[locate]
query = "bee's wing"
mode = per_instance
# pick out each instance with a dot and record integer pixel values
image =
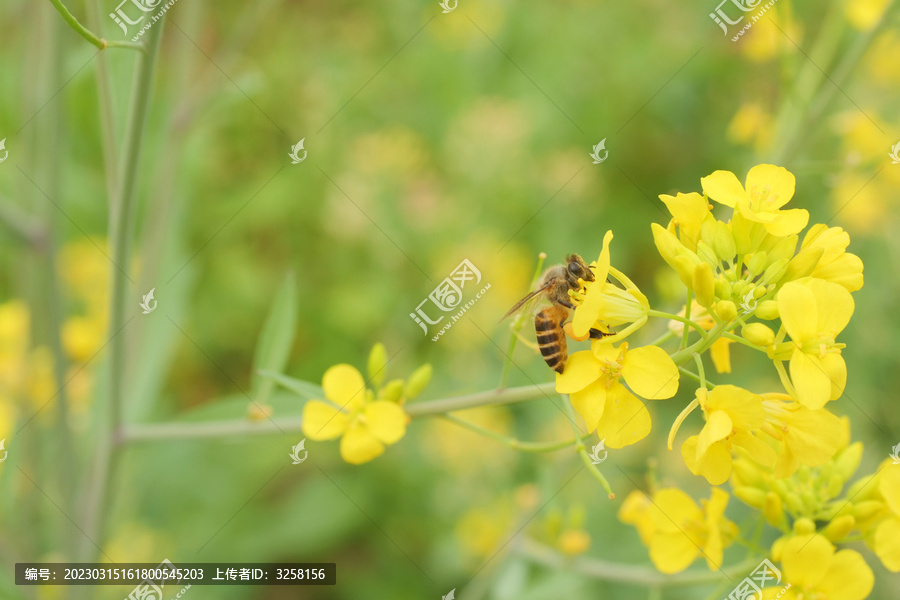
(528, 301)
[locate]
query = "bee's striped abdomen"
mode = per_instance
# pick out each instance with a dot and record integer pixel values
(551, 338)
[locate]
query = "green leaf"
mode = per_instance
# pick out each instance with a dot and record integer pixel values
(276, 339)
(298, 386)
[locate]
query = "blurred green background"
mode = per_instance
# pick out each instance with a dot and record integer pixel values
(432, 138)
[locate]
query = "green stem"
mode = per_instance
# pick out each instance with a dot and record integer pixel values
(121, 229)
(700, 346)
(740, 340)
(211, 429)
(627, 573)
(514, 443)
(664, 315)
(698, 360)
(696, 377)
(668, 335)
(84, 32)
(582, 450)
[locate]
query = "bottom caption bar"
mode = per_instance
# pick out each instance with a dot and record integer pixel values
(167, 573)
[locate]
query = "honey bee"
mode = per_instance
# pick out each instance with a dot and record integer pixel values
(554, 286)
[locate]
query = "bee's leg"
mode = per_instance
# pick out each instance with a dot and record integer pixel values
(596, 334)
(567, 304)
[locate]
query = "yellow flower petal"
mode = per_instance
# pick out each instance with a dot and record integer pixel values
(889, 486)
(672, 552)
(718, 427)
(788, 222)
(587, 313)
(582, 369)
(806, 559)
(625, 419)
(589, 403)
(677, 508)
(720, 353)
(834, 303)
(810, 380)
(714, 465)
(836, 370)
(385, 420)
(650, 372)
(689, 212)
(798, 311)
(772, 187)
(887, 543)
(723, 187)
(359, 445)
(322, 421)
(344, 386)
(848, 577)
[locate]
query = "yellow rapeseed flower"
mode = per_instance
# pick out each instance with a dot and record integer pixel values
(733, 416)
(814, 312)
(592, 380)
(677, 531)
(767, 189)
(886, 539)
(816, 571)
(364, 425)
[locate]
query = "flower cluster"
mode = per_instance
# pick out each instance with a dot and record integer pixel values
(751, 277)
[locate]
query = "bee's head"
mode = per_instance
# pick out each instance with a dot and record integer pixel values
(576, 268)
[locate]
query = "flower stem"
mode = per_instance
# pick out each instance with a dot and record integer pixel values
(687, 311)
(514, 443)
(664, 315)
(84, 32)
(582, 450)
(121, 231)
(627, 573)
(740, 340)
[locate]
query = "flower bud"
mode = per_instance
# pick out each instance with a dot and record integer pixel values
(418, 381)
(392, 391)
(758, 262)
(726, 310)
(793, 502)
(721, 240)
(784, 249)
(704, 284)
(751, 496)
(723, 288)
(839, 528)
(802, 265)
(377, 364)
(867, 509)
(804, 526)
(757, 333)
(775, 270)
(773, 510)
(767, 310)
(848, 459)
(706, 253)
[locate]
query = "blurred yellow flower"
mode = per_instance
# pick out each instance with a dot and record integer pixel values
(751, 125)
(767, 189)
(814, 312)
(677, 531)
(865, 14)
(82, 337)
(816, 571)
(364, 425)
(573, 542)
(592, 380)
(733, 415)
